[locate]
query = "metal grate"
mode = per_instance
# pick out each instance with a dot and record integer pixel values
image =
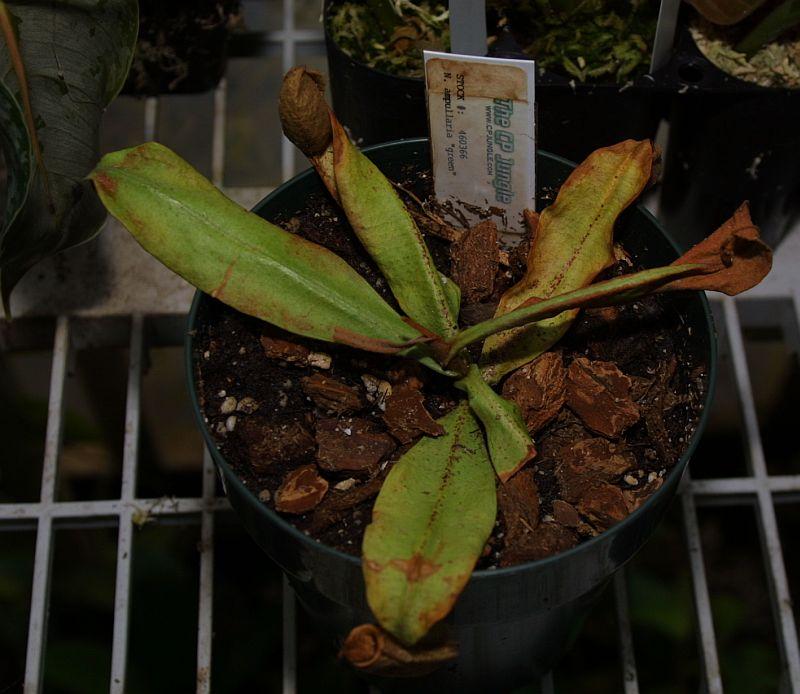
(765, 306)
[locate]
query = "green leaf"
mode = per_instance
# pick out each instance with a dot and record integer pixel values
(16, 147)
(572, 244)
(452, 293)
(430, 524)
(784, 17)
(63, 62)
(388, 232)
(510, 445)
(617, 290)
(178, 216)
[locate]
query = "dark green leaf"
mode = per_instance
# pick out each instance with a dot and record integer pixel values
(75, 55)
(784, 17)
(18, 155)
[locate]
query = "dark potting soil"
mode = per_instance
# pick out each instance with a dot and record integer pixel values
(275, 402)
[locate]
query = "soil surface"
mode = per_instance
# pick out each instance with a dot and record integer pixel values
(313, 428)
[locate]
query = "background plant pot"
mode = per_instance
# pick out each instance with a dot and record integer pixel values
(729, 141)
(575, 118)
(375, 106)
(572, 119)
(182, 46)
(511, 624)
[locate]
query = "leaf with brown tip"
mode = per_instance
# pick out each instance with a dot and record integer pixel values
(305, 121)
(733, 259)
(573, 242)
(178, 216)
(735, 256)
(388, 232)
(430, 524)
(372, 649)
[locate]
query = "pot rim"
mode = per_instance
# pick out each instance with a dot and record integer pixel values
(482, 574)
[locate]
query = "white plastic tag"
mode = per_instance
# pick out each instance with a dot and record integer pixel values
(481, 115)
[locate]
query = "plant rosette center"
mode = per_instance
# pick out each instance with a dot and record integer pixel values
(611, 410)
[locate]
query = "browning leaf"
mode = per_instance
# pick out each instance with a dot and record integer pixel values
(305, 121)
(430, 523)
(734, 256)
(733, 259)
(370, 648)
(303, 111)
(573, 242)
(254, 266)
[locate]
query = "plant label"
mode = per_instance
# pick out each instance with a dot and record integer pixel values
(481, 115)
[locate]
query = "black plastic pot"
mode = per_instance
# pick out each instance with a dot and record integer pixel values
(511, 624)
(182, 46)
(375, 106)
(575, 118)
(572, 119)
(729, 141)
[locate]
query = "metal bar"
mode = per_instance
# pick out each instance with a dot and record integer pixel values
(143, 509)
(795, 329)
(130, 455)
(287, 170)
(702, 601)
(262, 43)
(218, 133)
(767, 522)
(206, 604)
(288, 57)
(205, 608)
(150, 118)
(630, 678)
(745, 485)
(468, 27)
(289, 639)
(665, 33)
(40, 592)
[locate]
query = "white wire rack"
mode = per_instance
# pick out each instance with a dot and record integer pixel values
(767, 306)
